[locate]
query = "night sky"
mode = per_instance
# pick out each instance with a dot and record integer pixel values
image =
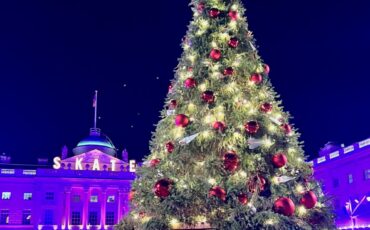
(54, 54)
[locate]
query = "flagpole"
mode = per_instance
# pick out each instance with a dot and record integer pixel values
(96, 108)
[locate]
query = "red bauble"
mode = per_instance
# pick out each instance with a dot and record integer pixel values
(162, 188)
(228, 71)
(131, 195)
(218, 192)
(287, 128)
(219, 125)
(172, 104)
(200, 7)
(208, 97)
(233, 42)
(190, 69)
(190, 83)
(284, 206)
(170, 147)
(182, 120)
(154, 162)
(309, 200)
(256, 78)
(252, 127)
(214, 13)
(243, 198)
(233, 15)
(266, 107)
(215, 54)
(266, 68)
(256, 182)
(231, 161)
(279, 160)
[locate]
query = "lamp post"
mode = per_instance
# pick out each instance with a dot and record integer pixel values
(351, 211)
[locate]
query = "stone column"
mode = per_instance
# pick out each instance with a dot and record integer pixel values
(85, 210)
(121, 203)
(103, 208)
(67, 207)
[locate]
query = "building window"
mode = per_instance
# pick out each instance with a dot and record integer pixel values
(4, 216)
(93, 218)
(49, 196)
(109, 218)
(110, 199)
(350, 178)
(76, 218)
(48, 217)
(27, 196)
(335, 183)
(6, 195)
(367, 174)
(76, 198)
(26, 217)
(94, 199)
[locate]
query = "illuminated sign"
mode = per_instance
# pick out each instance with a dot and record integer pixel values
(79, 163)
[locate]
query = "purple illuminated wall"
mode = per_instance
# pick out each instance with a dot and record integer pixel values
(63, 199)
(345, 174)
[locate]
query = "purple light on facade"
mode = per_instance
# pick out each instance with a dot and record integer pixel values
(86, 191)
(345, 174)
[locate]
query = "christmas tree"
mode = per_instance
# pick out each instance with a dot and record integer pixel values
(224, 155)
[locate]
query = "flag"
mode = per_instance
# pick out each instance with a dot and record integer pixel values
(94, 101)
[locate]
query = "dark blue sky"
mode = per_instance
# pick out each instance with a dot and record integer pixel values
(54, 54)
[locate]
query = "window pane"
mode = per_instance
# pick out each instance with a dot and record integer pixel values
(49, 196)
(76, 198)
(350, 178)
(94, 199)
(109, 218)
(110, 199)
(93, 218)
(26, 217)
(76, 218)
(48, 217)
(27, 196)
(6, 195)
(4, 216)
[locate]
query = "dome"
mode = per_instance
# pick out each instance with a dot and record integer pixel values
(95, 140)
(329, 148)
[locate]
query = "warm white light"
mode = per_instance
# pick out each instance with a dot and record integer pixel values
(212, 181)
(299, 189)
(233, 25)
(301, 210)
(202, 87)
(175, 223)
(214, 44)
(234, 7)
(270, 222)
(243, 174)
(368, 198)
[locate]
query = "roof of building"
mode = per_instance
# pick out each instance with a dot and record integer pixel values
(96, 140)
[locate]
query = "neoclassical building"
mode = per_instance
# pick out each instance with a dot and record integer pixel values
(345, 174)
(86, 191)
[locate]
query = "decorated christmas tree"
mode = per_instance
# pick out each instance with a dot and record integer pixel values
(224, 155)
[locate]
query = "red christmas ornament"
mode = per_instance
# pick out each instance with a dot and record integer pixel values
(215, 54)
(214, 13)
(162, 188)
(190, 83)
(233, 42)
(172, 104)
(231, 161)
(256, 78)
(309, 200)
(131, 195)
(154, 162)
(219, 125)
(200, 7)
(233, 15)
(279, 160)
(243, 198)
(190, 69)
(252, 127)
(218, 192)
(256, 182)
(287, 128)
(266, 68)
(266, 107)
(182, 120)
(284, 206)
(170, 147)
(208, 97)
(228, 71)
